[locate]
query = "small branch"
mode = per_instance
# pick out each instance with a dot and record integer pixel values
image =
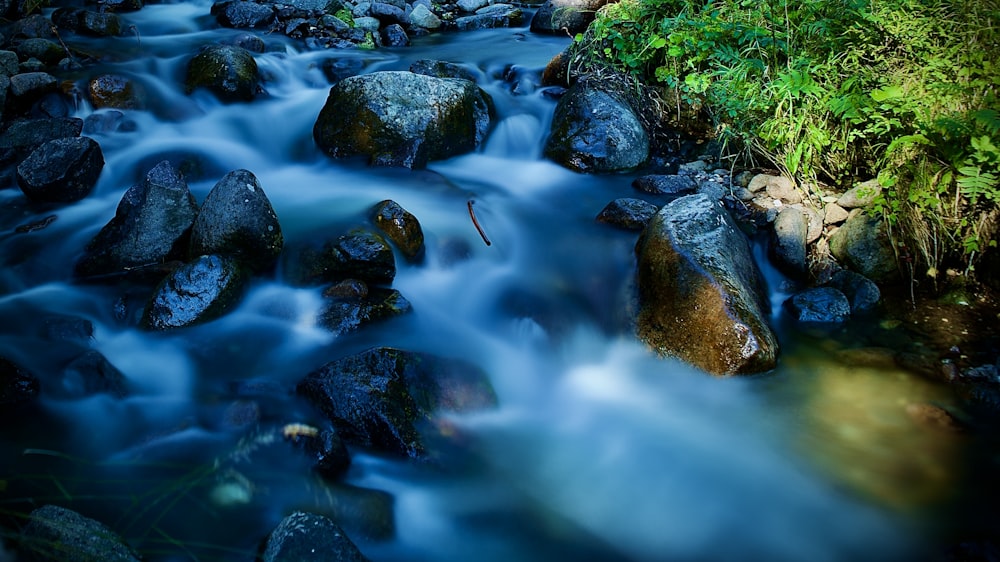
(475, 223)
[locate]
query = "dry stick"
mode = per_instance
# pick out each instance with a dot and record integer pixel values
(476, 224)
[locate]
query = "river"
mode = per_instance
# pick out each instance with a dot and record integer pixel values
(598, 449)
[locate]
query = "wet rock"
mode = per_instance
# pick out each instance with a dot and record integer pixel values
(863, 294)
(57, 534)
(110, 90)
(394, 35)
(92, 373)
(61, 170)
(17, 385)
(345, 314)
(491, 17)
(861, 195)
(384, 398)
(820, 305)
(45, 50)
(442, 69)
(565, 17)
(862, 244)
(32, 85)
(788, 242)
(22, 137)
(237, 220)
(556, 71)
(197, 292)
(65, 328)
(118, 5)
(243, 15)
(150, 227)
(359, 254)
(630, 214)
(401, 227)
(326, 447)
(595, 132)
(337, 69)
(659, 184)
(88, 22)
(422, 16)
(35, 25)
(227, 71)
(701, 296)
(402, 118)
(301, 537)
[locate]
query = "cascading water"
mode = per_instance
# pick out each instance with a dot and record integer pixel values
(598, 450)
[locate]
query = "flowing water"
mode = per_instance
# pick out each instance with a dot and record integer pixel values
(598, 450)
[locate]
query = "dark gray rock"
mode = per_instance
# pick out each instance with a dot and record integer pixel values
(17, 385)
(401, 227)
(57, 534)
(32, 85)
(111, 90)
(21, 137)
(393, 35)
(35, 25)
(227, 71)
(661, 184)
(305, 537)
(344, 314)
(386, 13)
(788, 242)
(491, 17)
(118, 5)
(565, 17)
(337, 69)
(45, 50)
(359, 254)
(819, 305)
(862, 292)
(383, 397)
(66, 328)
(402, 118)
(862, 244)
(61, 170)
(92, 373)
(630, 214)
(8, 64)
(593, 131)
(701, 296)
(100, 24)
(151, 226)
(329, 451)
(237, 220)
(197, 292)
(442, 69)
(243, 15)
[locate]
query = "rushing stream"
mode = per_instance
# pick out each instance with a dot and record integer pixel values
(598, 450)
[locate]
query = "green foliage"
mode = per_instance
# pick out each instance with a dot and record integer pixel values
(838, 90)
(345, 15)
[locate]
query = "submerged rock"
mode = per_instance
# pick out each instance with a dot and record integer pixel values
(227, 71)
(302, 537)
(199, 291)
(61, 171)
(401, 227)
(701, 296)
(92, 373)
(17, 385)
(150, 227)
(593, 131)
(402, 118)
(385, 398)
(58, 534)
(360, 254)
(237, 220)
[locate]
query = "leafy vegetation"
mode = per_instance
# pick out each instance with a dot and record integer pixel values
(838, 91)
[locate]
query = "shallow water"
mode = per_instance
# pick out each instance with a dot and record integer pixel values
(598, 450)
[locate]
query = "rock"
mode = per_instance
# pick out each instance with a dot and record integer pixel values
(345, 314)
(32, 85)
(65, 328)
(328, 450)
(384, 398)
(359, 254)
(658, 184)
(237, 220)
(863, 294)
(788, 242)
(150, 227)
(61, 170)
(777, 184)
(394, 35)
(118, 5)
(91, 373)
(367, 23)
(402, 118)
(202, 290)
(57, 534)
(303, 537)
(401, 227)
(491, 17)
(815, 223)
(386, 13)
(630, 214)
(227, 71)
(471, 5)
(8, 63)
(784, 190)
(337, 69)
(556, 71)
(421, 16)
(834, 214)
(565, 17)
(821, 305)
(241, 14)
(862, 244)
(22, 137)
(593, 131)
(701, 296)
(45, 50)
(442, 69)
(861, 195)
(99, 24)
(17, 385)
(34, 25)
(110, 90)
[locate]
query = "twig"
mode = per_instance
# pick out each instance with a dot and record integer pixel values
(475, 223)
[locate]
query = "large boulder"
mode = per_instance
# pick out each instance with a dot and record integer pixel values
(402, 118)
(150, 227)
(862, 244)
(61, 170)
(304, 537)
(595, 131)
(388, 398)
(236, 219)
(565, 17)
(701, 297)
(227, 71)
(202, 290)
(58, 534)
